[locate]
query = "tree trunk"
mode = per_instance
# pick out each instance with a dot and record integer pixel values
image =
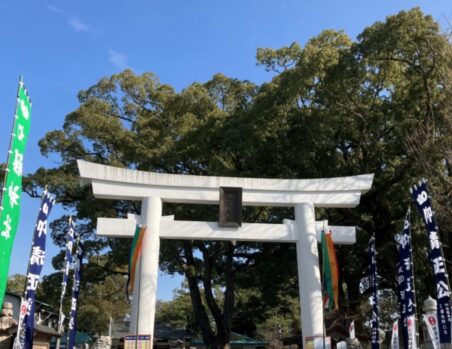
(222, 317)
(200, 312)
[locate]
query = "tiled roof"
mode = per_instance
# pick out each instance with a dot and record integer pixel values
(80, 338)
(166, 332)
(237, 339)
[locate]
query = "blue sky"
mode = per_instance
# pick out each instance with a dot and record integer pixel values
(62, 47)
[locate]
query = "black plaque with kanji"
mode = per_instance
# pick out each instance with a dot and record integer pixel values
(230, 207)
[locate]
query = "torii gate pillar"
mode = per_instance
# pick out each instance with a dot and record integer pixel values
(144, 300)
(308, 270)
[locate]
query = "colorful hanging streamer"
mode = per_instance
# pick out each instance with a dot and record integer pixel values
(330, 271)
(135, 253)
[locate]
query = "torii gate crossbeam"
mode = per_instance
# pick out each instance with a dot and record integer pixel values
(194, 230)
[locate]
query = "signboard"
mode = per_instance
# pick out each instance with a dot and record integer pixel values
(141, 341)
(230, 207)
(317, 343)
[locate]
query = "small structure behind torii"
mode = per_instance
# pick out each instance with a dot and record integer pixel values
(152, 189)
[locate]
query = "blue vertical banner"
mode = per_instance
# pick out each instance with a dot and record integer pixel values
(405, 285)
(402, 306)
(24, 338)
(374, 322)
(423, 203)
(75, 293)
(68, 260)
(68, 256)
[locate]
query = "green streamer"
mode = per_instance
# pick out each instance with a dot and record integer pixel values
(12, 189)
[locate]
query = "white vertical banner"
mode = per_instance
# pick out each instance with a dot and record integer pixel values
(411, 329)
(351, 329)
(374, 322)
(341, 345)
(23, 311)
(395, 335)
(405, 285)
(431, 322)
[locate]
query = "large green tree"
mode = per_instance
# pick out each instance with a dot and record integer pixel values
(334, 107)
(16, 284)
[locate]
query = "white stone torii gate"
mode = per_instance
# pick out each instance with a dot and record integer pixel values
(154, 188)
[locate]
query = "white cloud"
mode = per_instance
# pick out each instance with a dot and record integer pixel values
(55, 9)
(74, 22)
(78, 25)
(119, 60)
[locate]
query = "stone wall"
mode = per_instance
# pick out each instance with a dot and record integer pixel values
(7, 325)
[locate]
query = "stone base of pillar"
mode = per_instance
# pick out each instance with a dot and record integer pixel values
(353, 343)
(427, 345)
(102, 342)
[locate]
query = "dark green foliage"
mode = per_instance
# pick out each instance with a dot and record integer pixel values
(16, 284)
(335, 107)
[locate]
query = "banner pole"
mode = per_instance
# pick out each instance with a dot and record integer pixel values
(139, 295)
(322, 284)
(414, 283)
(73, 286)
(63, 287)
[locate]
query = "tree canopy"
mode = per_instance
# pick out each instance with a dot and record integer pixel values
(333, 107)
